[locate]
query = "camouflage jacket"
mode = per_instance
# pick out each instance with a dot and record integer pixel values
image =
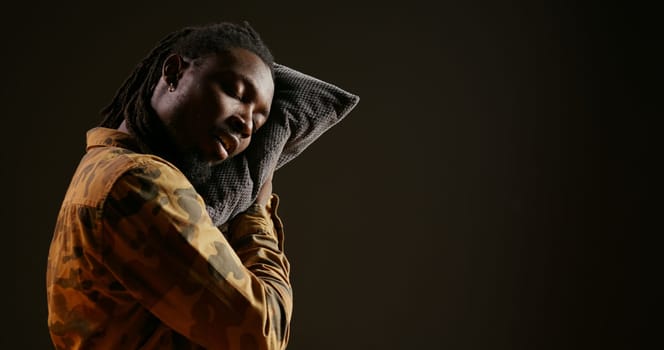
(135, 261)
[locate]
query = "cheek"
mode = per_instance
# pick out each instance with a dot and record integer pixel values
(201, 112)
(200, 97)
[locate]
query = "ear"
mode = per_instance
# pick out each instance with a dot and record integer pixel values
(172, 69)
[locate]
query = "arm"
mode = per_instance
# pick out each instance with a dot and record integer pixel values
(165, 250)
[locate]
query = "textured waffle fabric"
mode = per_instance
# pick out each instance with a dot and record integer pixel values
(303, 108)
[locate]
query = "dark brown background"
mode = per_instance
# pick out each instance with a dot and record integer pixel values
(488, 192)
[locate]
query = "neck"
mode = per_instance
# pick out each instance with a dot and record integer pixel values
(123, 127)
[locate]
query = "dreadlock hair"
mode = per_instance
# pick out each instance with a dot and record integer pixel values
(131, 102)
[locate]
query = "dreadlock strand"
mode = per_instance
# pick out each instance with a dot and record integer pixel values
(116, 111)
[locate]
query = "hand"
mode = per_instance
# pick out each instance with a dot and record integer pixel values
(265, 192)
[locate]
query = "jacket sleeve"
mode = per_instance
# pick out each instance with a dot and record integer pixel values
(163, 248)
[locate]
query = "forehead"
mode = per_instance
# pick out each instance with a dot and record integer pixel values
(240, 63)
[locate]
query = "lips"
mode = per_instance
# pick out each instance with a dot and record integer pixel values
(228, 142)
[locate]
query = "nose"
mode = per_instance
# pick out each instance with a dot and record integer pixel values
(242, 123)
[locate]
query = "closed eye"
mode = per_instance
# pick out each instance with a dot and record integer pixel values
(231, 87)
(232, 92)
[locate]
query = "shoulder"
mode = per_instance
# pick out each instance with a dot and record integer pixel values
(148, 187)
(105, 171)
(153, 196)
(147, 175)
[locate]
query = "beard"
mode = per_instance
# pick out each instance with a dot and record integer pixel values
(197, 170)
(158, 141)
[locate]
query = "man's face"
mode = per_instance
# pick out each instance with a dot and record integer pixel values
(213, 104)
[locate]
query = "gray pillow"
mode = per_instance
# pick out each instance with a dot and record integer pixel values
(303, 108)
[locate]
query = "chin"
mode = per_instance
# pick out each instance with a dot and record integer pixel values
(197, 169)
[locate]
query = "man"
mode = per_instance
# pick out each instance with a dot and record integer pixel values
(135, 261)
